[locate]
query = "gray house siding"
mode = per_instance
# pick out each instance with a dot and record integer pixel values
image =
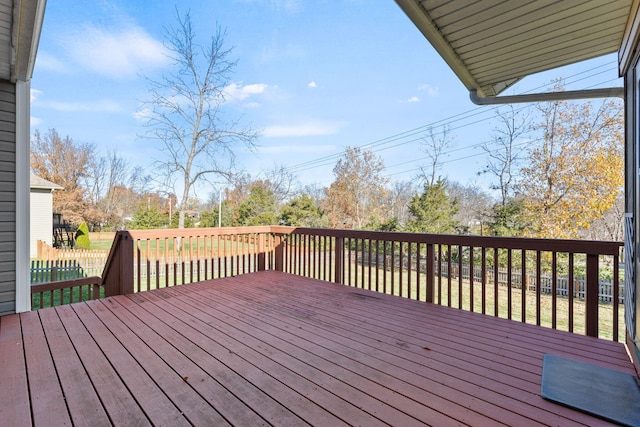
(7, 197)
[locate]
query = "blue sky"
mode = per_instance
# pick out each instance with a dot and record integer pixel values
(313, 76)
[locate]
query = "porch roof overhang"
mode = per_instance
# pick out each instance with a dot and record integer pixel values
(490, 45)
(20, 27)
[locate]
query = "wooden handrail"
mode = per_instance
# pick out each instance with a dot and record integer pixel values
(73, 285)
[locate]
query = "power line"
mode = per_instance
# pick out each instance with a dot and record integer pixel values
(419, 133)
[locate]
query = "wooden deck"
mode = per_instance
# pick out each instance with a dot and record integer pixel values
(270, 348)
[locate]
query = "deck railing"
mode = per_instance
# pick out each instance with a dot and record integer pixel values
(563, 284)
(151, 259)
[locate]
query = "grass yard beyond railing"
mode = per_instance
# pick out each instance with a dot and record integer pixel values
(554, 283)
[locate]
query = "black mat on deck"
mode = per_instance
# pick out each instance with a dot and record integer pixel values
(612, 395)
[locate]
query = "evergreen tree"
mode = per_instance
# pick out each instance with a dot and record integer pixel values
(433, 211)
(147, 217)
(259, 208)
(303, 212)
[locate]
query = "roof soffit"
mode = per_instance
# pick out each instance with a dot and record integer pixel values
(491, 44)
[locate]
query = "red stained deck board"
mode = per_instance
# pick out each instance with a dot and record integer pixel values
(373, 376)
(251, 385)
(121, 407)
(392, 406)
(270, 348)
(171, 384)
(14, 390)
(151, 398)
(47, 401)
(83, 402)
(500, 404)
(184, 358)
(206, 336)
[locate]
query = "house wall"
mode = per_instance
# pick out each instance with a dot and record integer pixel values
(7, 197)
(41, 223)
(629, 66)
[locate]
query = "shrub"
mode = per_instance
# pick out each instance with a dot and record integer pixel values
(82, 236)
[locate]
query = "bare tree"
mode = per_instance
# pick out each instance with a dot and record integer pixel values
(435, 146)
(474, 206)
(282, 182)
(184, 112)
(399, 196)
(505, 151)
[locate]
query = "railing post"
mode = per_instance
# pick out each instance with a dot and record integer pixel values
(279, 253)
(261, 252)
(117, 276)
(592, 295)
(339, 258)
(430, 272)
(126, 265)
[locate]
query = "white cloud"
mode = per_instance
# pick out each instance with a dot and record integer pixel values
(312, 84)
(115, 53)
(35, 121)
(142, 115)
(34, 94)
(430, 90)
(46, 61)
(101, 106)
(238, 92)
(413, 99)
(314, 128)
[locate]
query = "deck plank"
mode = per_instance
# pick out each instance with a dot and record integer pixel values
(121, 407)
(14, 390)
(178, 377)
(172, 381)
(343, 347)
(48, 404)
(207, 374)
(151, 397)
(270, 348)
(499, 404)
(357, 370)
(392, 406)
(319, 408)
(83, 401)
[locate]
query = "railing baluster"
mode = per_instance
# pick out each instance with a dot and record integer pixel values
(393, 267)
(484, 280)
(509, 284)
(523, 284)
(496, 278)
(616, 296)
(384, 263)
(570, 291)
(472, 280)
(460, 289)
(538, 287)
(417, 271)
(439, 274)
(554, 289)
(449, 274)
(591, 293)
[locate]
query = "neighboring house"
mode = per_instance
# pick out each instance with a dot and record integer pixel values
(41, 205)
